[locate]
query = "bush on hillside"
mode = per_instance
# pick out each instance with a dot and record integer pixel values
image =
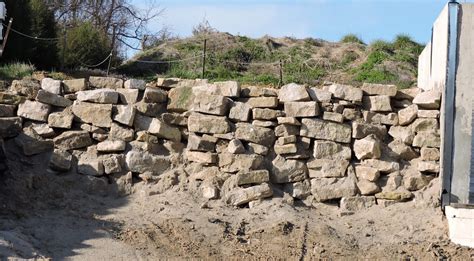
(351, 38)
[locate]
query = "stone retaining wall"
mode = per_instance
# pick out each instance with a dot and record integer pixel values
(373, 144)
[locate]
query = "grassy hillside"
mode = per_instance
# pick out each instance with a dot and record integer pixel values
(256, 61)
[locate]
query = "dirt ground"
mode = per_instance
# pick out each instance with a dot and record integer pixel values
(74, 217)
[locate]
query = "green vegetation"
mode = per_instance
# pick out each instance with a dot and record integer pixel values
(352, 38)
(16, 70)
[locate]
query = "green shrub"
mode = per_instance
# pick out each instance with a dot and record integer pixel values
(351, 38)
(381, 45)
(16, 70)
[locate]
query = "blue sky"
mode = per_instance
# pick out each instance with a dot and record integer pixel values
(325, 19)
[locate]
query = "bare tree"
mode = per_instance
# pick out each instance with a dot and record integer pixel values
(204, 28)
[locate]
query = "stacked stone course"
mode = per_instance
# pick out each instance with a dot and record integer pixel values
(363, 145)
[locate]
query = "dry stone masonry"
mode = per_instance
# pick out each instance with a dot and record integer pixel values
(369, 145)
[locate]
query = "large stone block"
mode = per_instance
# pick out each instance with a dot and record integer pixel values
(73, 140)
(135, 84)
(382, 165)
(240, 196)
(379, 103)
(121, 133)
(404, 134)
(293, 92)
(320, 95)
(425, 124)
(34, 110)
(31, 143)
(26, 87)
(259, 135)
(367, 173)
(319, 129)
(227, 89)
(105, 82)
(266, 114)
(60, 160)
(352, 204)
(367, 188)
(111, 146)
(284, 171)
(379, 89)
(427, 139)
(180, 99)
(150, 109)
(10, 127)
(99, 115)
(7, 110)
(301, 109)
(361, 130)
(428, 99)
(12, 99)
(62, 120)
(106, 96)
(210, 104)
(198, 143)
(262, 102)
(324, 189)
(379, 118)
(89, 164)
(345, 92)
(157, 127)
(51, 85)
(52, 99)
(240, 111)
(253, 177)
(408, 115)
(327, 168)
(402, 150)
(141, 162)
(331, 150)
(367, 148)
(128, 96)
(156, 95)
(210, 124)
(124, 114)
(73, 86)
(232, 163)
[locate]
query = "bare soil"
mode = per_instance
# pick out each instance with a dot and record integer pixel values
(74, 217)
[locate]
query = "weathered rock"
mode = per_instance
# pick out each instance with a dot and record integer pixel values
(367, 148)
(51, 85)
(174, 119)
(105, 82)
(99, 115)
(380, 103)
(345, 92)
(379, 89)
(180, 99)
(7, 110)
(257, 149)
(150, 109)
(319, 95)
(391, 182)
(378, 118)
(124, 114)
(301, 109)
(285, 149)
(283, 130)
(52, 99)
(62, 120)
(73, 140)
(210, 104)
(266, 114)
(235, 147)
(333, 116)
(423, 124)
(284, 171)
(362, 130)
(324, 189)
(286, 140)
(89, 164)
(265, 124)
(288, 121)
(367, 188)
(404, 134)
(428, 99)
(398, 195)
(240, 196)
(357, 203)
(60, 160)
(31, 143)
(10, 127)
(34, 110)
(111, 146)
(240, 111)
(201, 157)
(73, 86)
(121, 133)
(402, 150)
(367, 173)
(106, 96)
(408, 94)
(112, 163)
(198, 143)
(155, 95)
(227, 89)
(239, 162)
(350, 114)
(256, 91)
(140, 161)
(300, 190)
(327, 168)
(99, 137)
(331, 150)
(253, 177)
(414, 180)
(12, 99)
(259, 135)
(210, 124)
(381, 165)
(26, 87)
(262, 102)
(428, 166)
(293, 92)
(408, 115)
(128, 96)
(427, 139)
(428, 114)
(429, 154)
(157, 127)
(319, 129)
(44, 130)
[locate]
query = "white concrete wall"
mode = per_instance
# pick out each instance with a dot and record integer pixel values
(424, 68)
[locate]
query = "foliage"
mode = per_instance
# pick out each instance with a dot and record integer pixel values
(16, 70)
(351, 38)
(86, 46)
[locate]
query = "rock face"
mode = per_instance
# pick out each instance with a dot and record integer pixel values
(237, 144)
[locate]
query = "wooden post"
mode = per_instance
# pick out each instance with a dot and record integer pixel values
(6, 36)
(281, 74)
(204, 59)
